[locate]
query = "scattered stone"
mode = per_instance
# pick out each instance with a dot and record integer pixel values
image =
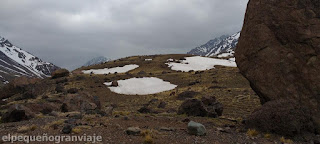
(133, 131)
(60, 73)
(206, 108)
(196, 129)
(67, 129)
(114, 84)
(17, 113)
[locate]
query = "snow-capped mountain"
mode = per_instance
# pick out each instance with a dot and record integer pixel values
(97, 60)
(222, 46)
(15, 62)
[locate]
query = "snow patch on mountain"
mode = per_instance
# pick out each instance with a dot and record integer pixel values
(223, 44)
(15, 61)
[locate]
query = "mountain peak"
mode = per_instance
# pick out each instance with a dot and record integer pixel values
(97, 60)
(223, 44)
(15, 62)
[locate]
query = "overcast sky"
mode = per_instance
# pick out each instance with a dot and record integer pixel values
(70, 32)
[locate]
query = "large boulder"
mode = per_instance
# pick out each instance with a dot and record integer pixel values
(279, 49)
(284, 117)
(278, 52)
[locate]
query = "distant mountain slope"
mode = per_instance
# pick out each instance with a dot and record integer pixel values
(15, 62)
(223, 44)
(97, 60)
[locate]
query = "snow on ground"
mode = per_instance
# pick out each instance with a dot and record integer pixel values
(123, 69)
(225, 55)
(142, 86)
(232, 59)
(107, 83)
(148, 60)
(198, 63)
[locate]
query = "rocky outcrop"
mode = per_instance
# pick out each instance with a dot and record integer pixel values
(279, 52)
(206, 107)
(17, 113)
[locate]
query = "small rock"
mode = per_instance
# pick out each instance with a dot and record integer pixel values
(114, 84)
(133, 131)
(196, 129)
(67, 129)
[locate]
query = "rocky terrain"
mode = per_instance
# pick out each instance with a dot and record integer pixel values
(15, 62)
(217, 100)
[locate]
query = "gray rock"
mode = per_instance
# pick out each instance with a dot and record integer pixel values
(133, 131)
(196, 129)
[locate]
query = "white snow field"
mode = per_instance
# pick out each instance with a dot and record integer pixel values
(123, 69)
(142, 86)
(198, 63)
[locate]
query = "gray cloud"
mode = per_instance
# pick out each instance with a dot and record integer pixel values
(70, 32)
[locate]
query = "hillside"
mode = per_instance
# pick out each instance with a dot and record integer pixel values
(15, 62)
(91, 103)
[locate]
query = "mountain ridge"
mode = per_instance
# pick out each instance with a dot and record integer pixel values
(223, 44)
(15, 62)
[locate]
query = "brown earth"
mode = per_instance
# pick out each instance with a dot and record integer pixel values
(83, 101)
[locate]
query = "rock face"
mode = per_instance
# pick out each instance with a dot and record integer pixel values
(278, 51)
